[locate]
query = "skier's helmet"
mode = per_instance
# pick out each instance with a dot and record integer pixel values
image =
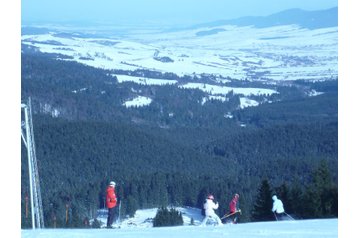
(274, 197)
(210, 196)
(112, 183)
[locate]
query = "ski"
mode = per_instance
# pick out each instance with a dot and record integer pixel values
(230, 214)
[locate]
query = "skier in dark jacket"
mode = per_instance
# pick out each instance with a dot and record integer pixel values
(111, 202)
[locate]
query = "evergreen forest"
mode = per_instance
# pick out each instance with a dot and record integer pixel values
(176, 150)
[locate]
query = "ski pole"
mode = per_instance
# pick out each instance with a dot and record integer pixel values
(275, 216)
(119, 213)
(289, 216)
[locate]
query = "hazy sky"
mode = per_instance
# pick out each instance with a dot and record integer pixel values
(158, 11)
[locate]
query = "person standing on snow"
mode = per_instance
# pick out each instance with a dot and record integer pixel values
(209, 207)
(277, 208)
(234, 208)
(111, 202)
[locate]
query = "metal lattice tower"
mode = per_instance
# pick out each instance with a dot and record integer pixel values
(35, 192)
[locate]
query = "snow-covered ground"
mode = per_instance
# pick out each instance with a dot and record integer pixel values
(276, 53)
(141, 226)
(321, 228)
(144, 218)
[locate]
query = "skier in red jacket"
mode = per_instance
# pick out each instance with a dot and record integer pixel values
(233, 203)
(233, 207)
(111, 202)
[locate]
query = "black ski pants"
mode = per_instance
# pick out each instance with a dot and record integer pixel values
(110, 218)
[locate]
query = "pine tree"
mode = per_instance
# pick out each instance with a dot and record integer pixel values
(131, 206)
(165, 217)
(297, 195)
(326, 192)
(263, 205)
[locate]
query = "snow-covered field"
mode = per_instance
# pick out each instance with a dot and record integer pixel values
(323, 228)
(275, 53)
(141, 226)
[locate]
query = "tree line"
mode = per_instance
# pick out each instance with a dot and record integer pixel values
(175, 151)
(76, 160)
(80, 92)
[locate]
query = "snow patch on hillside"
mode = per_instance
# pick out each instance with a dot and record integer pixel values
(144, 80)
(224, 90)
(139, 101)
(246, 102)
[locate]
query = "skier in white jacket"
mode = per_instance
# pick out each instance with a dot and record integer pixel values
(209, 207)
(277, 208)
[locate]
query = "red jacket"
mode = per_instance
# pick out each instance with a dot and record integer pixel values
(233, 204)
(111, 198)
